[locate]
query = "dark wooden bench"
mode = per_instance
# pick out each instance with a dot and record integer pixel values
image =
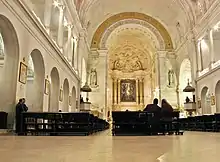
(45, 123)
(206, 123)
(143, 123)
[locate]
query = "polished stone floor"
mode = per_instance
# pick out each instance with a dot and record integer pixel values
(102, 147)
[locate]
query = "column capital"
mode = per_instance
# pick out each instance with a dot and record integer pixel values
(161, 53)
(103, 52)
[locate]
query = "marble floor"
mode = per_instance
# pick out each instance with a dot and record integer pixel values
(102, 147)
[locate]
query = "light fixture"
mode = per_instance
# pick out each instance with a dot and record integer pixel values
(56, 3)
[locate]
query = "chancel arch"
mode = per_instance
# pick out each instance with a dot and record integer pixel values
(54, 90)
(9, 63)
(35, 81)
(96, 40)
(66, 96)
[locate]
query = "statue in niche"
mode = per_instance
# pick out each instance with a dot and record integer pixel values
(171, 79)
(93, 78)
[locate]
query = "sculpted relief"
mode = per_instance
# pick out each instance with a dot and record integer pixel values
(129, 59)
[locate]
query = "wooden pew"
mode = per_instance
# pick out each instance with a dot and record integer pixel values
(45, 123)
(143, 123)
(206, 123)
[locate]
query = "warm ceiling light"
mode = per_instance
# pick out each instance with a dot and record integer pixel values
(56, 3)
(216, 27)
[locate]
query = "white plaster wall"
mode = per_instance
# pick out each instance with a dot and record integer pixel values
(29, 38)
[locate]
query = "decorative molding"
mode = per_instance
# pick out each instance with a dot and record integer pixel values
(131, 15)
(145, 24)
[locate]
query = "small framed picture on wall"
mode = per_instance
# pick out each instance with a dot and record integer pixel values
(212, 100)
(47, 87)
(199, 104)
(70, 100)
(61, 95)
(23, 73)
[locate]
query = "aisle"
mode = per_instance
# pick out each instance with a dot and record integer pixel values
(102, 147)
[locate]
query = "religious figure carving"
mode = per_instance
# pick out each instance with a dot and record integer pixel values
(128, 91)
(93, 78)
(128, 59)
(171, 79)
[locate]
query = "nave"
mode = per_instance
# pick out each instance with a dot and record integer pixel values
(102, 147)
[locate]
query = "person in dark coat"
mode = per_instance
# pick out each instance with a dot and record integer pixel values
(166, 113)
(153, 108)
(154, 116)
(20, 108)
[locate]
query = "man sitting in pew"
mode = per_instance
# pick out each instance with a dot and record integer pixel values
(154, 120)
(153, 108)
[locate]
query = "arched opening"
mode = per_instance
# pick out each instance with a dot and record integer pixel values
(73, 109)
(54, 91)
(9, 60)
(206, 101)
(217, 95)
(185, 76)
(66, 96)
(35, 81)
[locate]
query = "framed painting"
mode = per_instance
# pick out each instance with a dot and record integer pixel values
(70, 100)
(23, 73)
(61, 95)
(47, 87)
(199, 104)
(128, 90)
(212, 100)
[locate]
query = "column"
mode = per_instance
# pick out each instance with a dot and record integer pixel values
(60, 26)
(119, 92)
(200, 61)
(211, 45)
(141, 82)
(137, 92)
(80, 54)
(114, 91)
(47, 14)
(76, 53)
(69, 50)
(162, 80)
(102, 73)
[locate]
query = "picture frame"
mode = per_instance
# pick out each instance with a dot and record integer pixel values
(199, 104)
(61, 95)
(23, 73)
(212, 100)
(47, 87)
(70, 100)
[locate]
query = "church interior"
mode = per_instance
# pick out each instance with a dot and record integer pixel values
(98, 57)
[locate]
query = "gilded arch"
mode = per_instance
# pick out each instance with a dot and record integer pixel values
(96, 41)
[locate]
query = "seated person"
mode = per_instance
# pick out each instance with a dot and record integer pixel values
(166, 112)
(166, 107)
(153, 108)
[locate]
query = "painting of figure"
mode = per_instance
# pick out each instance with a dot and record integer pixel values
(128, 90)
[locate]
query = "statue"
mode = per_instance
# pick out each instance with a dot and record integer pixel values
(171, 79)
(93, 78)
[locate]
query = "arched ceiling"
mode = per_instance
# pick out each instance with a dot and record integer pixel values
(167, 12)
